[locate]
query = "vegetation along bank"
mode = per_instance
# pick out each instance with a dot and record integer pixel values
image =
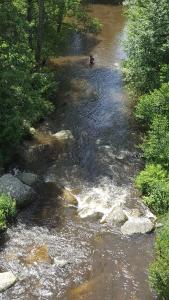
(147, 76)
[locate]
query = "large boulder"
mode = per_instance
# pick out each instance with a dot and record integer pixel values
(7, 279)
(139, 225)
(63, 135)
(22, 193)
(28, 178)
(116, 215)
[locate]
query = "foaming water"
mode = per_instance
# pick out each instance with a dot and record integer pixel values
(97, 167)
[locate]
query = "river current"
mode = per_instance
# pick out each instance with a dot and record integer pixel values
(98, 167)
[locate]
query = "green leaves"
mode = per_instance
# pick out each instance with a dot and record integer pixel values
(7, 210)
(23, 92)
(147, 73)
(159, 269)
(153, 182)
(156, 144)
(147, 43)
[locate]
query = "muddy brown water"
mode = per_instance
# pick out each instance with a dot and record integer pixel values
(99, 167)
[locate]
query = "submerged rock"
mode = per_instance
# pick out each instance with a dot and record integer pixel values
(28, 178)
(7, 279)
(63, 135)
(22, 193)
(68, 196)
(38, 255)
(137, 225)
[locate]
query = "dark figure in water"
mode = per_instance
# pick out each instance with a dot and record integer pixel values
(91, 60)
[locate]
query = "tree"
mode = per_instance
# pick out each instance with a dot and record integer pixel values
(40, 30)
(147, 43)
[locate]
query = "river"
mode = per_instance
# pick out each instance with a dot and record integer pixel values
(99, 167)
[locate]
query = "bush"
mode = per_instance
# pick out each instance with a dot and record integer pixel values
(7, 210)
(2, 221)
(22, 95)
(159, 269)
(8, 206)
(149, 178)
(154, 186)
(156, 144)
(94, 26)
(147, 44)
(153, 105)
(158, 201)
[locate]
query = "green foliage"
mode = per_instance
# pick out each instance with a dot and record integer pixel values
(156, 144)
(158, 201)
(30, 29)
(8, 206)
(23, 90)
(2, 221)
(7, 210)
(153, 182)
(147, 73)
(148, 178)
(153, 105)
(22, 95)
(159, 269)
(147, 43)
(93, 25)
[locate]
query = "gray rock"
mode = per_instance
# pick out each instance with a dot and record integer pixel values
(7, 279)
(28, 178)
(32, 130)
(63, 135)
(140, 225)
(22, 193)
(116, 215)
(60, 262)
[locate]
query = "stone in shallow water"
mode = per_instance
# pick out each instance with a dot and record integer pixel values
(7, 279)
(137, 225)
(63, 135)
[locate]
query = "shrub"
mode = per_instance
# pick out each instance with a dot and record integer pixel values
(7, 206)
(154, 186)
(153, 105)
(159, 269)
(148, 178)
(2, 221)
(94, 25)
(147, 44)
(158, 201)
(156, 144)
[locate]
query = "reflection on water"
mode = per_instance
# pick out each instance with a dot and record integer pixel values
(97, 168)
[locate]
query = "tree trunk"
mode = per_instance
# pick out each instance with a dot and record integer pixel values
(40, 30)
(61, 15)
(29, 18)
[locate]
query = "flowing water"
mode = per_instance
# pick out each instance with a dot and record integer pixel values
(98, 166)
